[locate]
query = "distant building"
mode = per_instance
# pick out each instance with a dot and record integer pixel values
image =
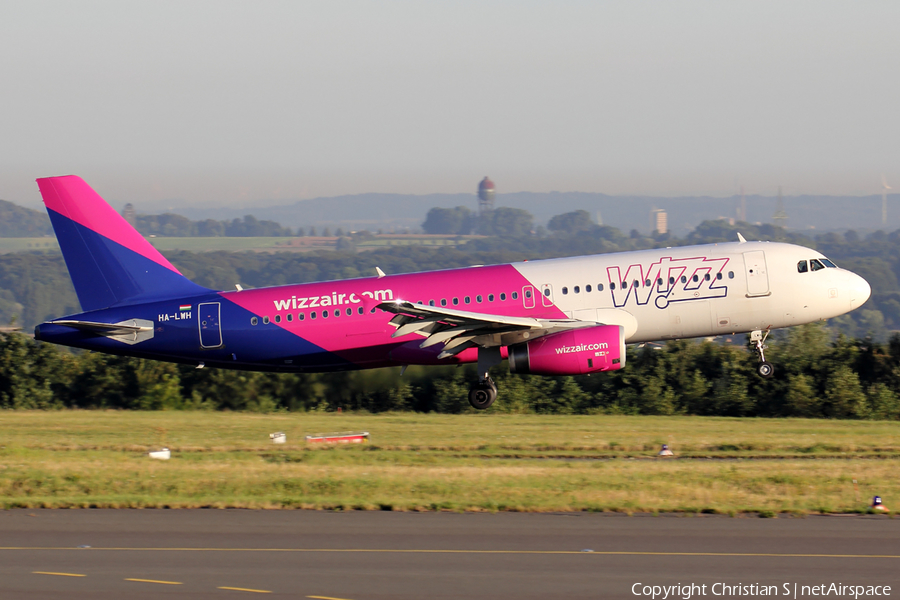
(486, 194)
(129, 215)
(659, 220)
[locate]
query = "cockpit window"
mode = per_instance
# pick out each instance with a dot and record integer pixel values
(801, 267)
(829, 264)
(815, 265)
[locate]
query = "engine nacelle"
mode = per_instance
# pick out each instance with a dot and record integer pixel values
(572, 352)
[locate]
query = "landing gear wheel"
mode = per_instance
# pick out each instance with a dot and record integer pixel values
(758, 340)
(483, 395)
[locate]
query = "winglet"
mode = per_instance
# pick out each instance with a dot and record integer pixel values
(741, 238)
(380, 272)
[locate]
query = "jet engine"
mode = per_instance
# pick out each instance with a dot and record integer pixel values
(572, 352)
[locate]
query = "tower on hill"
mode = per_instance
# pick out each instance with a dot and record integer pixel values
(486, 194)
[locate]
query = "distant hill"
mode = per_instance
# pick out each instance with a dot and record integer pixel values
(387, 211)
(18, 221)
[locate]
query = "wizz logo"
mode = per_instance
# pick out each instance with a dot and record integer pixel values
(668, 280)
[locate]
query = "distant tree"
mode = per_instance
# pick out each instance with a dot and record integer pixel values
(503, 221)
(571, 222)
(445, 221)
(345, 244)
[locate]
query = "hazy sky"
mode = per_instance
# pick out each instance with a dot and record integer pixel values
(189, 102)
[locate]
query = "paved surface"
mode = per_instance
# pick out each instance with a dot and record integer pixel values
(381, 555)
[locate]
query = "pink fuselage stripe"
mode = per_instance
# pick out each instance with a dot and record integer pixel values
(345, 334)
(72, 198)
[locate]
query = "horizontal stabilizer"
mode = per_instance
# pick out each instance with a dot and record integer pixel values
(130, 331)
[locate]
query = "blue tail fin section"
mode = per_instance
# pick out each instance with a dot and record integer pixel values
(109, 262)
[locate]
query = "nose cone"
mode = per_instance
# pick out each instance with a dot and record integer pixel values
(860, 290)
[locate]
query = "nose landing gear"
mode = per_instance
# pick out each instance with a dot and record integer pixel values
(758, 338)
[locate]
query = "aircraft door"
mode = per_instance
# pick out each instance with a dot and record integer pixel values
(547, 294)
(755, 270)
(209, 321)
(528, 296)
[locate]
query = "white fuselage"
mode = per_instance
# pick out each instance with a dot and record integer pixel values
(696, 291)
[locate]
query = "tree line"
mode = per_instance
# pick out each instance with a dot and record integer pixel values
(816, 376)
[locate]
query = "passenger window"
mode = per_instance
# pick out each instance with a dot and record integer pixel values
(455, 301)
(599, 287)
(515, 295)
(671, 280)
(478, 298)
(361, 310)
(659, 281)
(637, 284)
(254, 320)
(547, 292)
(706, 277)
(349, 312)
(301, 316)
(730, 274)
(576, 289)
(290, 317)
(815, 265)
(502, 296)
(265, 320)
(647, 283)
(565, 291)
(312, 315)
(431, 303)
(490, 297)
(587, 289)
(801, 267)
(337, 312)
(683, 279)
(695, 278)
(467, 300)
(624, 285)
(278, 318)
(443, 302)
(324, 314)
(718, 276)
(612, 285)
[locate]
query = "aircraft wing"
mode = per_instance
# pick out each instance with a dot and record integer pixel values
(459, 329)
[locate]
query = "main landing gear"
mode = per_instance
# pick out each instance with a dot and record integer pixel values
(485, 391)
(758, 339)
(483, 394)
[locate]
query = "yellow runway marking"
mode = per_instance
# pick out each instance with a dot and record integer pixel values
(245, 590)
(154, 581)
(421, 551)
(60, 574)
(325, 598)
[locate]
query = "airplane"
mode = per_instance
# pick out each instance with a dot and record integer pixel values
(564, 316)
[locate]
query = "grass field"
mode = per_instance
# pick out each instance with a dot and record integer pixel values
(432, 462)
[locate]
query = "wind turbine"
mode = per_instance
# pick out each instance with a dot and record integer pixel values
(884, 190)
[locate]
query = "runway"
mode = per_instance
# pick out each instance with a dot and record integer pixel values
(383, 555)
